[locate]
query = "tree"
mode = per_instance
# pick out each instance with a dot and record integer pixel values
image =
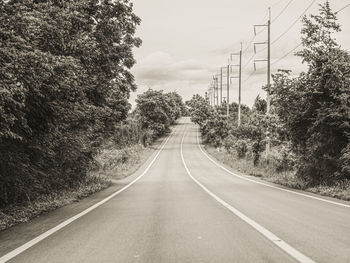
(65, 80)
(157, 111)
(260, 105)
(200, 109)
(315, 107)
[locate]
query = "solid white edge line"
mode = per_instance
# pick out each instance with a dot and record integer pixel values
(53, 230)
(269, 235)
(266, 184)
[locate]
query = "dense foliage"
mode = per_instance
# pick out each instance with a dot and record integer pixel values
(64, 85)
(309, 122)
(157, 111)
(315, 107)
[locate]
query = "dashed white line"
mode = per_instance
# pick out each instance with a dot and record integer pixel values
(297, 255)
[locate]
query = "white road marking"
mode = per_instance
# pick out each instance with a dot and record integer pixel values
(53, 230)
(269, 235)
(266, 184)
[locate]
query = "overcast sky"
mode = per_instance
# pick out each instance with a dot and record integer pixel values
(185, 42)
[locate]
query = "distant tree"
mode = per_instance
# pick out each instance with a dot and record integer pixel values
(176, 103)
(200, 109)
(215, 129)
(260, 105)
(158, 110)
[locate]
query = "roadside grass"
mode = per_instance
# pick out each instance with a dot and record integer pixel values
(15, 214)
(116, 164)
(267, 171)
(112, 164)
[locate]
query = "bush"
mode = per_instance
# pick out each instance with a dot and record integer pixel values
(64, 84)
(286, 160)
(241, 148)
(157, 111)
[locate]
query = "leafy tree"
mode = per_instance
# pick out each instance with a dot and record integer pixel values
(215, 129)
(157, 111)
(260, 105)
(200, 109)
(64, 85)
(315, 107)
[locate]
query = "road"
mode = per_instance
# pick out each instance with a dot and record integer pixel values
(185, 208)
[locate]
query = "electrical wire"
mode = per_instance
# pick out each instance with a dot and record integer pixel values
(291, 26)
(280, 13)
(274, 62)
(285, 55)
(249, 60)
(341, 9)
(281, 35)
(254, 36)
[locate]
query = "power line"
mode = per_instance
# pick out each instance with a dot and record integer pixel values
(276, 4)
(290, 27)
(249, 60)
(297, 20)
(254, 36)
(276, 61)
(285, 55)
(341, 9)
(280, 13)
(289, 52)
(249, 44)
(251, 74)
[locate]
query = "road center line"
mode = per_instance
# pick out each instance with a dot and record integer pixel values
(269, 235)
(266, 184)
(53, 230)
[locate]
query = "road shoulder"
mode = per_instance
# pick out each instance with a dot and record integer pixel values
(18, 235)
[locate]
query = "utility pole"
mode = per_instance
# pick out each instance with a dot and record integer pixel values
(228, 90)
(210, 93)
(268, 82)
(216, 88)
(268, 60)
(220, 86)
(213, 87)
(240, 86)
(239, 82)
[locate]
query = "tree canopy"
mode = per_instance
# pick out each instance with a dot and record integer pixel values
(64, 84)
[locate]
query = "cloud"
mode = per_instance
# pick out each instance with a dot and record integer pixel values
(160, 67)
(160, 71)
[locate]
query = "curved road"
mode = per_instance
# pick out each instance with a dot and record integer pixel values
(186, 208)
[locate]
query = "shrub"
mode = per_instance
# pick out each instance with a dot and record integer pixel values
(241, 148)
(286, 160)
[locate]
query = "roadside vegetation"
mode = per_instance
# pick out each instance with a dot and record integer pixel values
(66, 125)
(308, 125)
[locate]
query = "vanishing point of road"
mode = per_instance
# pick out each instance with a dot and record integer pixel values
(182, 206)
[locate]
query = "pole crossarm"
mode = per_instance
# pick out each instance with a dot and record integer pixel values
(259, 43)
(232, 55)
(255, 26)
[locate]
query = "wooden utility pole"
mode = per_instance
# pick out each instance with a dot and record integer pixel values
(239, 81)
(216, 80)
(240, 86)
(268, 60)
(220, 86)
(228, 91)
(268, 82)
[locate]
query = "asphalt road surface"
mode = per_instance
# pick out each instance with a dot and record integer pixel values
(183, 207)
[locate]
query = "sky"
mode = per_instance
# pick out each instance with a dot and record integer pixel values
(186, 42)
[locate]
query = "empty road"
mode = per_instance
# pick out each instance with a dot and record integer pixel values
(183, 207)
